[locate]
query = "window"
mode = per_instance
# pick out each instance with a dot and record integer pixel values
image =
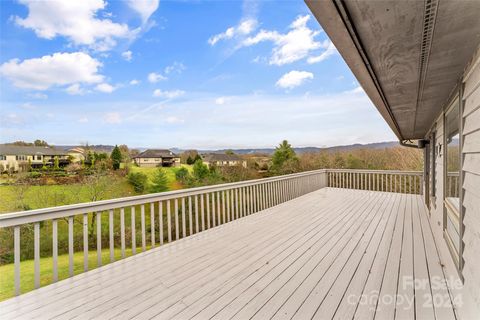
(452, 175)
(39, 157)
(21, 158)
(2, 157)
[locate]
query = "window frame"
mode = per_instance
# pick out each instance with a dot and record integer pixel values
(450, 212)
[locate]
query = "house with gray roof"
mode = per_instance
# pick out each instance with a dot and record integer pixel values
(157, 158)
(223, 160)
(14, 158)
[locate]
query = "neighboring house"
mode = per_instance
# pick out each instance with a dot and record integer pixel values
(157, 158)
(76, 154)
(17, 157)
(223, 160)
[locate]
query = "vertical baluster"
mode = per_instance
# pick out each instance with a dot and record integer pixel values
(228, 205)
(177, 224)
(36, 249)
(208, 209)
(240, 202)
(99, 239)
(110, 233)
(214, 213)
(223, 207)
(122, 232)
(142, 225)
(219, 221)
(415, 184)
(202, 210)
(152, 224)
(244, 202)
(184, 224)
(70, 248)
(160, 221)
(134, 240)
(16, 257)
(55, 249)
(236, 203)
(85, 242)
(409, 184)
(190, 215)
(197, 224)
(169, 222)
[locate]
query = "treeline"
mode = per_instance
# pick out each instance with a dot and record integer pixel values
(285, 161)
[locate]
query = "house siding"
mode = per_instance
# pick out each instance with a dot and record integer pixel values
(471, 183)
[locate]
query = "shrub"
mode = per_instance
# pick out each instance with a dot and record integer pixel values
(34, 175)
(182, 174)
(116, 157)
(138, 180)
(159, 181)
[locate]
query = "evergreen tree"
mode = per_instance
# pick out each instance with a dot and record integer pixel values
(190, 160)
(197, 157)
(159, 181)
(200, 170)
(284, 156)
(116, 157)
(56, 164)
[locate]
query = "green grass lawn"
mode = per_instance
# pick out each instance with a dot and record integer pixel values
(37, 197)
(7, 288)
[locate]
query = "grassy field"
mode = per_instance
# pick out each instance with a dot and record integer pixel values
(7, 288)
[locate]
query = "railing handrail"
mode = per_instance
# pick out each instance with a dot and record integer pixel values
(37, 215)
(399, 172)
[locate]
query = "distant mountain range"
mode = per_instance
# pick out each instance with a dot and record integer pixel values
(377, 145)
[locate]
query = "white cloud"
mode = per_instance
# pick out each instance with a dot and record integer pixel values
(176, 67)
(356, 90)
(75, 20)
(168, 94)
(58, 69)
(74, 89)
(134, 82)
(145, 8)
(222, 100)
(38, 95)
(173, 120)
(245, 27)
(155, 77)
(105, 88)
(292, 46)
(293, 79)
(112, 118)
(127, 55)
(83, 120)
(331, 50)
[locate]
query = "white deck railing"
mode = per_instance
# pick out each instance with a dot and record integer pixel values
(377, 180)
(180, 214)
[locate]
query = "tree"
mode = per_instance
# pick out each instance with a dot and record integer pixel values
(138, 180)
(116, 157)
(182, 174)
(159, 181)
(197, 157)
(283, 157)
(40, 143)
(56, 164)
(200, 170)
(190, 160)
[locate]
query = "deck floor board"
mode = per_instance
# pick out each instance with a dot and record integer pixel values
(332, 253)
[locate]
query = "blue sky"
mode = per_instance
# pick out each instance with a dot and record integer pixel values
(187, 74)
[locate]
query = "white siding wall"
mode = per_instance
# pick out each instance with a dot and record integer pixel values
(471, 183)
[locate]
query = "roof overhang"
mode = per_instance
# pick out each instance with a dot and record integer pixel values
(407, 55)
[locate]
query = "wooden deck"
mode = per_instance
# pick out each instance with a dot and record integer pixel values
(333, 253)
